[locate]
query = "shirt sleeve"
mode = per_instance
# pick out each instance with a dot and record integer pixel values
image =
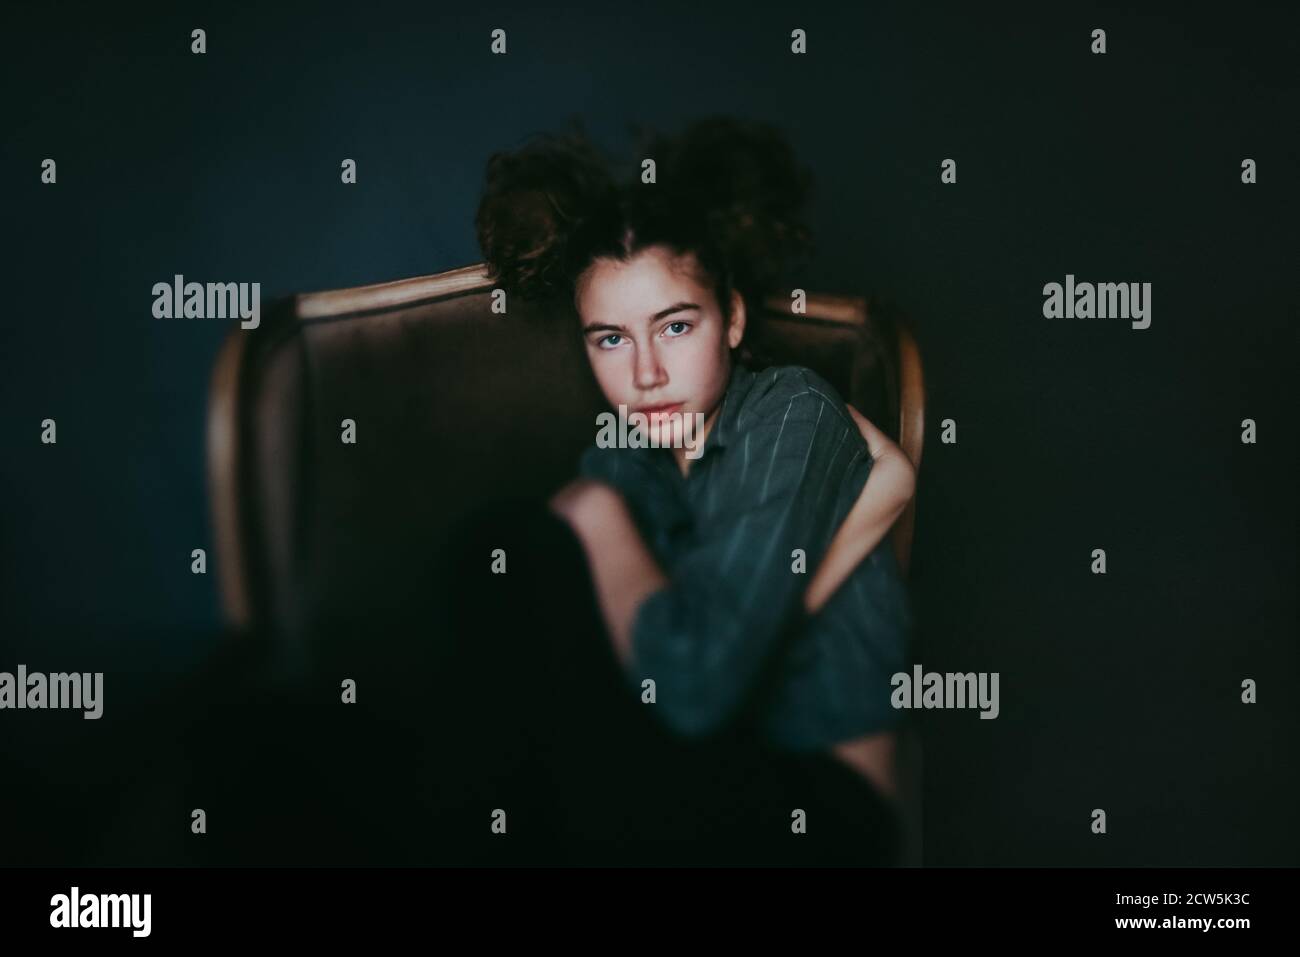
(597, 463)
(864, 633)
(705, 636)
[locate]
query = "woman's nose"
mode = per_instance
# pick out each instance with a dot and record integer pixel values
(649, 372)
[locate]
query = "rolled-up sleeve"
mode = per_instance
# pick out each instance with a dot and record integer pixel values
(705, 636)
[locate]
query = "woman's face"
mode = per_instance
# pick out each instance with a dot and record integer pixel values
(656, 339)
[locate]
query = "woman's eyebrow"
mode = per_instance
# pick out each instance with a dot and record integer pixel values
(676, 307)
(602, 327)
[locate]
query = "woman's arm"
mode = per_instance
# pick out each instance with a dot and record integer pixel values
(623, 571)
(889, 488)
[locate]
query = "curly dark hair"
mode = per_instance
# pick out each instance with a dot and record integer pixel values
(727, 190)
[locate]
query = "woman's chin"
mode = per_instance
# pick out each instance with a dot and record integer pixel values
(666, 434)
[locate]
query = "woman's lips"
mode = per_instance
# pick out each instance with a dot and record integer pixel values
(658, 411)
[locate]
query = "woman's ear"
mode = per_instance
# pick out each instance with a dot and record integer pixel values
(736, 324)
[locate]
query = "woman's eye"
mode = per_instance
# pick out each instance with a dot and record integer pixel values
(673, 325)
(606, 339)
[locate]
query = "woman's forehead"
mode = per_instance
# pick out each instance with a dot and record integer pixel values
(652, 280)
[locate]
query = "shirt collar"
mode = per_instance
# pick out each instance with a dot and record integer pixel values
(724, 426)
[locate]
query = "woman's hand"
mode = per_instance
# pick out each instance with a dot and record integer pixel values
(582, 499)
(889, 488)
(623, 570)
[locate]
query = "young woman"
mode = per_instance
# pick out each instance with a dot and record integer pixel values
(738, 575)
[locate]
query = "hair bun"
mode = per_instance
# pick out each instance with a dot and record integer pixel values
(535, 199)
(744, 179)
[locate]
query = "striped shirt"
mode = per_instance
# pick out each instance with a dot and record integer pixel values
(727, 640)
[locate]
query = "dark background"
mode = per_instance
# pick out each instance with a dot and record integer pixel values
(1119, 691)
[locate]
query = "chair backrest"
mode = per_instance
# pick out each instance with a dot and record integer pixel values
(452, 405)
